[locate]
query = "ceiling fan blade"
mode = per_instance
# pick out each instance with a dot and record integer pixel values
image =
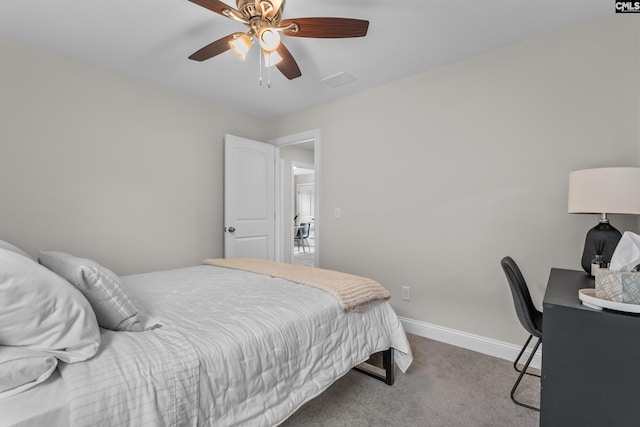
(216, 6)
(213, 49)
(288, 65)
(327, 28)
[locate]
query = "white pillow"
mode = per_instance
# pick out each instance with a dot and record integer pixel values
(114, 309)
(8, 246)
(21, 369)
(41, 311)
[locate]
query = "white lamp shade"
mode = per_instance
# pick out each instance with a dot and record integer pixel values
(605, 190)
(271, 58)
(240, 45)
(269, 39)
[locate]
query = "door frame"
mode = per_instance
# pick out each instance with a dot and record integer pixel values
(297, 138)
(294, 190)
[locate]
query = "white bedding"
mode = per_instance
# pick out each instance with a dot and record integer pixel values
(236, 348)
(44, 405)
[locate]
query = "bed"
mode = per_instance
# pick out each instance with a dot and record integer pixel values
(209, 345)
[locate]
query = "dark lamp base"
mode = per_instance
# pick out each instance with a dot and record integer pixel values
(603, 235)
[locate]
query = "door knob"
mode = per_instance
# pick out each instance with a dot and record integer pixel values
(232, 229)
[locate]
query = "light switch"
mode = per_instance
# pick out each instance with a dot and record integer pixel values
(337, 213)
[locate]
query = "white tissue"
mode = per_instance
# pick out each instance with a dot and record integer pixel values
(627, 254)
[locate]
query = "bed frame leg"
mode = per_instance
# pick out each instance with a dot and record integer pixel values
(386, 373)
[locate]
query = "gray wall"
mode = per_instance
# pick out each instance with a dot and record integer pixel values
(462, 165)
(107, 167)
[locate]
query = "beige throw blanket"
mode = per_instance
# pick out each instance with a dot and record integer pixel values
(352, 292)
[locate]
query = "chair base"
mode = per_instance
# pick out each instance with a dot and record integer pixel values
(524, 371)
(305, 245)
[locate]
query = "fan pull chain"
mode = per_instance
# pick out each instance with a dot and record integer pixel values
(269, 73)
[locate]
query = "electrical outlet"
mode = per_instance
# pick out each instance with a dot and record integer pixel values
(406, 293)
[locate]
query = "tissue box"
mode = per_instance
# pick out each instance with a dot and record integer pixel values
(618, 286)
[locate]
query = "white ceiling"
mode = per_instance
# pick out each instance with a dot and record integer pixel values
(151, 40)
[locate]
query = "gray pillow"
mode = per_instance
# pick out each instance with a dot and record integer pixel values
(113, 308)
(8, 246)
(22, 368)
(39, 310)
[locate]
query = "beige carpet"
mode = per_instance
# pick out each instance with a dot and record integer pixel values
(445, 386)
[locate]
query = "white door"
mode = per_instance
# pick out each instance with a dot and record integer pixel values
(304, 203)
(249, 198)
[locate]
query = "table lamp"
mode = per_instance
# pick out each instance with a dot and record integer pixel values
(603, 191)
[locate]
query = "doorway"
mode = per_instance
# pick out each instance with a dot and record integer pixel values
(303, 207)
(301, 149)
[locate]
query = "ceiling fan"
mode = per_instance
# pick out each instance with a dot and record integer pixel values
(265, 23)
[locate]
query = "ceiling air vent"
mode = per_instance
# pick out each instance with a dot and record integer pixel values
(338, 80)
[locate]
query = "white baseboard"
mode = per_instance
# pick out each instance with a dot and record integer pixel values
(483, 345)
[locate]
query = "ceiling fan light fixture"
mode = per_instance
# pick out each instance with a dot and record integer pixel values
(269, 39)
(264, 7)
(240, 45)
(271, 58)
(265, 24)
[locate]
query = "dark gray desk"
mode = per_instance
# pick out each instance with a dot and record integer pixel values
(590, 359)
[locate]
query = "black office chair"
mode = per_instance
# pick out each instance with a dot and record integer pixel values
(529, 316)
(302, 234)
